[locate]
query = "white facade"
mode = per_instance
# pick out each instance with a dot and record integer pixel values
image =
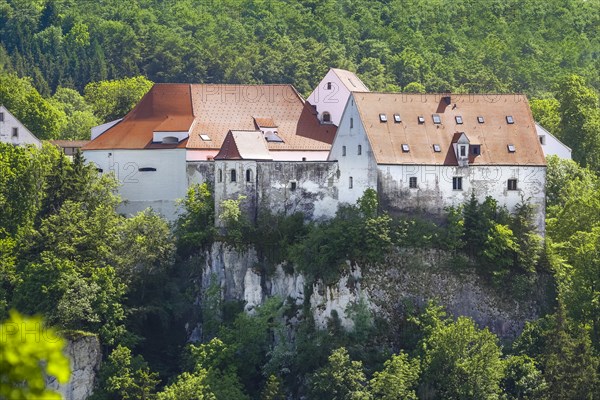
(436, 186)
(358, 172)
(148, 178)
(551, 145)
(331, 94)
(12, 131)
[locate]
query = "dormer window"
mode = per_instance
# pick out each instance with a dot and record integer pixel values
(397, 118)
(511, 148)
(436, 119)
(476, 149)
(458, 119)
(382, 117)
(405, 148)
(421, 119)
(509, 119)
(462, 150)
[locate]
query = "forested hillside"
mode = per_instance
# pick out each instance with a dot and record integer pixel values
(459, 45)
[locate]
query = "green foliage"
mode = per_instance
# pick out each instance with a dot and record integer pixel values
(234, 221)
(124, 376)
(111, 100)
(194, 228)
(545, 112)
(565, 355)
(398, 379)
(580, 120)
(459, 360)
(41, 117)
(188, 387)
(523, 379)
(341, 379)
(29, 351)
(272, 390)
(80, 118)
(356, 233)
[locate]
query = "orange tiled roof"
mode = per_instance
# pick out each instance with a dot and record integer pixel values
(220, 108)
(165, 108)
(213, 110)
(494, 134)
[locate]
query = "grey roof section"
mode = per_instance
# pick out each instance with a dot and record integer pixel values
(350, 80)
(251, 145)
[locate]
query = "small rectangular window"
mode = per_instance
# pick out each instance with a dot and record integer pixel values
(457, 183)
(397, 118)
(480, 120)
(233, 175)
(412, 182)
(383, 117)
(437, 148)
(350, 183)
(328, 85)
(421, 119)
(15, 132)
(147, 169)
(343, 151)
(509, 119)
(436, 119)
(458, 119)
(293, 185)
(463, 151)
(351, 123)
(405, 148)
(476, 149)
(359, 149)
(1, 117)
(511, 148)
(542, 139)
(512, 184)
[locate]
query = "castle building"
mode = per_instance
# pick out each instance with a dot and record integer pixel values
(420, 152)
(425, 152)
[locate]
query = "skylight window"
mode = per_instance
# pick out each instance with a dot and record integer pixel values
(405, 148)
(421, 119)
(509, 119)
(383, 117)
(437, 148)
(480, 120)
(436, 119)
(204, 137)
(458, 119)
(397, 118)
(511, 148)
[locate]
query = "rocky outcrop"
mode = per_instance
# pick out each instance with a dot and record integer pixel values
(406, 277)
(85, 355)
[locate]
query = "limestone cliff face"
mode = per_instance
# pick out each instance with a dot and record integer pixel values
(85, 355)
(406, 276)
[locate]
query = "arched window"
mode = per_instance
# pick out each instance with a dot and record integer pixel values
(220, 175)
(233, 176)
(326, 117)
(248, 175)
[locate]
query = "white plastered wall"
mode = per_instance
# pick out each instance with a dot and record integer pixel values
(138, 189)
(331, 100)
